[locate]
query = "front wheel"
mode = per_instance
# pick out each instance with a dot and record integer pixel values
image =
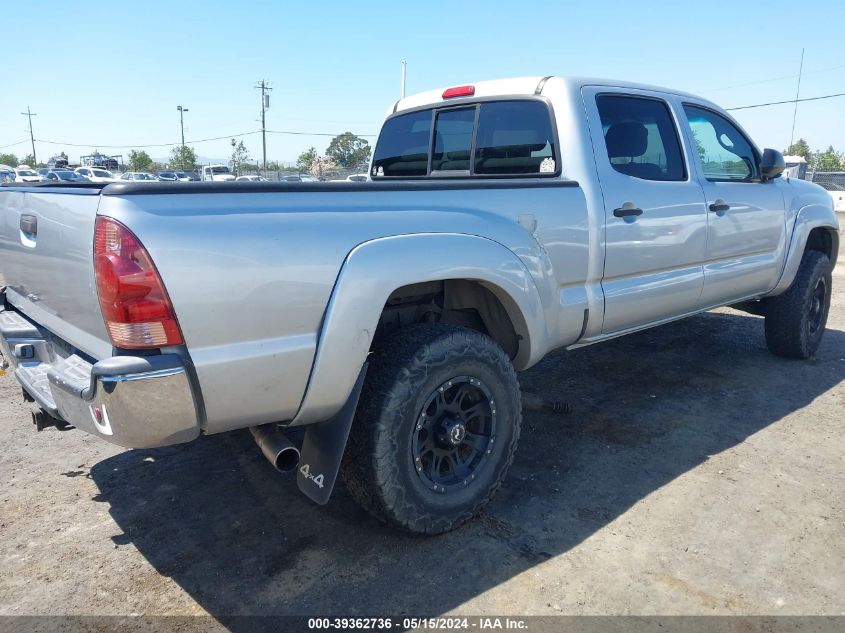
(795, 320)
(436, 428)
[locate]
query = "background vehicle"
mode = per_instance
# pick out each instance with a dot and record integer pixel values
(64, 175)
(95, 174)
(299, 178)
(26, 174)
(219, 173)
(6, 175)
(251, 179)
(100, 160)
(167, 176)
(504, 220)
(138, 176)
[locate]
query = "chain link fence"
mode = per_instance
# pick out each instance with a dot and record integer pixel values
(834, 182)
(830, 180)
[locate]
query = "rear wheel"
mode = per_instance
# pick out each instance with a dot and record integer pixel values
(795, 320)
(436, 428)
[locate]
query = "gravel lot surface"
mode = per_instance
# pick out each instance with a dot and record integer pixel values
(696, 474)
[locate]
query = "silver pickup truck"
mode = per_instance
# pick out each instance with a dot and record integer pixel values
(503, 220)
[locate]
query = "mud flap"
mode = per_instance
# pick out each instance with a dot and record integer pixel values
(322, 448)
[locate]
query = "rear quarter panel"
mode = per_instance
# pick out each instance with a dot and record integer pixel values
(250, 275)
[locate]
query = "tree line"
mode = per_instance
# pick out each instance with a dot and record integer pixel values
(345, 151)
(827, 160)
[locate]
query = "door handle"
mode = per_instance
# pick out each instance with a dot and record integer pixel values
(29, 224)
(624, 212)
(719, 207)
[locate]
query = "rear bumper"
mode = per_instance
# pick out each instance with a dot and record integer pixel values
(132, 401)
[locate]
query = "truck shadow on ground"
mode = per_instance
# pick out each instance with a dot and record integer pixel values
(240, 539)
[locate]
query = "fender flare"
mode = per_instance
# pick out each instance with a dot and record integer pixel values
(374, 269)
(809, 217)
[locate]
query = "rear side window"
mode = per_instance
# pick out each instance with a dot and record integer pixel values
(402, 148)
(641, 138)
(492, 138)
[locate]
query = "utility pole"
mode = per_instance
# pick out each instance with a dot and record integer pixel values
(182, 121)
(797, 92)
(404, 74)
(265, 103)
(29, 115)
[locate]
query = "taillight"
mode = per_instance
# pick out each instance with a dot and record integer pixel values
(459, 91)
(135, 305)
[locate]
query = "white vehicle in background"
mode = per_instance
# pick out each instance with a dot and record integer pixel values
(299, 178)
(24, 173)
(252, 178)
(97, 174)
(218, 173)
(796, 167)
(137, 176)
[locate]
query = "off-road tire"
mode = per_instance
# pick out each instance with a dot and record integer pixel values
(790, 318)
(378, 465)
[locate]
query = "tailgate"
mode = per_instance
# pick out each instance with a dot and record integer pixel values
(46, 259)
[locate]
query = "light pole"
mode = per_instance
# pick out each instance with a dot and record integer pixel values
(265, 103)
(182, 122)
(234, 154)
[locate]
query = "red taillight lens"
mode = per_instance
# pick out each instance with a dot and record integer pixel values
(459, 91)
(135, 306)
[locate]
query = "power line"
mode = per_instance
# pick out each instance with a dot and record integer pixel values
(314, 133)
(202, 140)
(13, 144)
(771, 103)
(188, 142)
(771, 79)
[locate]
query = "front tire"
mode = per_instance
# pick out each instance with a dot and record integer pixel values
(795, 320)
(436, 428)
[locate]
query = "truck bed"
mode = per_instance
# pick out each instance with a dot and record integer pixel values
(250, 267)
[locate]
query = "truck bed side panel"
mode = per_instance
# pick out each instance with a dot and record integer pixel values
(250, 276)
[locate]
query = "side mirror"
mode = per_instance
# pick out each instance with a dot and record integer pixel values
(772, 164)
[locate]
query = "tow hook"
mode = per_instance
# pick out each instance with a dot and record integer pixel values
(41, 419)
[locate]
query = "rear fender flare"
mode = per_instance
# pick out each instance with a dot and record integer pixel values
(374, 269)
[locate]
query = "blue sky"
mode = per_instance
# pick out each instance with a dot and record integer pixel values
(112, 74)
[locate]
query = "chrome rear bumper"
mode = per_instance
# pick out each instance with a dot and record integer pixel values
(132, 401)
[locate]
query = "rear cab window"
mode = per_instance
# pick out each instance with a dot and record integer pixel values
(641, 138)
(494, 138)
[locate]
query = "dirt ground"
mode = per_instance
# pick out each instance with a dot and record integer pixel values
(696, 474)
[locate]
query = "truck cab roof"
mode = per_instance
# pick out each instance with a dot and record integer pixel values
(526, 86)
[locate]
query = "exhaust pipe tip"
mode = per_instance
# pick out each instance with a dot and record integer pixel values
(287, 459)
(278, 449)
